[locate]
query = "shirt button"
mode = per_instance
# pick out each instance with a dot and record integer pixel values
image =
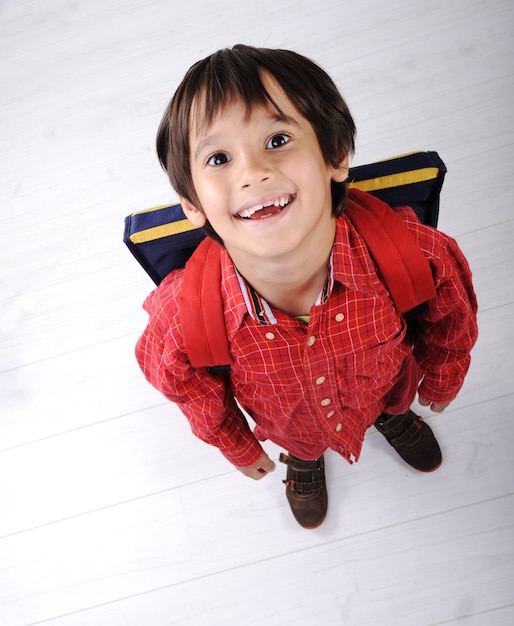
(331, 414)
(325, 402)
(339, 427)
(270, 336)
(320, 380)
(339, 317)
(311, 341)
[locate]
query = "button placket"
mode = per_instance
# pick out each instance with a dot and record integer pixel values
(318, 371)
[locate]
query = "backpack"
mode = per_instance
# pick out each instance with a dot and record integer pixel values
(162, 240)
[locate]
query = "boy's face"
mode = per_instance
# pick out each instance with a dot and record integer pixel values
(261, 179)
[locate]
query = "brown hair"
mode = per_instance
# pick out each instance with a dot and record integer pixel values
(235, 73)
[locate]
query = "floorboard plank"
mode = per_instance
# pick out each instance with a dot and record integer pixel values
(361, 580)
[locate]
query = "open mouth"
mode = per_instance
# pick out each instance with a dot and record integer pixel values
(262, 211)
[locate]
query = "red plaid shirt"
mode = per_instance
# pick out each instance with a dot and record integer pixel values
(321, 385)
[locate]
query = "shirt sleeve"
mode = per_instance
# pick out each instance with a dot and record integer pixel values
(447, 332)
(203, 397)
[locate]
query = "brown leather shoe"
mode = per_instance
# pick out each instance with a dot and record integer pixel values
(413, 439)
(306, 490)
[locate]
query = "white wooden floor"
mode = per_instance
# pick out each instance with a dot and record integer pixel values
(111, 513)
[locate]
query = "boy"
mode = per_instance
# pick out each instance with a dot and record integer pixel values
(256, 143)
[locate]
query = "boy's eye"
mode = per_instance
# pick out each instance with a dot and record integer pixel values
(218, 159)
(277, 141)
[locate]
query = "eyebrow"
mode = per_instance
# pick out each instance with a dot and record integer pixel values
(211, 140)
(283, 118)
(205, 143)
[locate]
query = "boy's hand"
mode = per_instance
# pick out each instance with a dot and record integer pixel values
(258, 470)
(436, 407)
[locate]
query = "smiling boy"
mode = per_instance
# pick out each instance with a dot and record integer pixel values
(264, 186)
(257, 143)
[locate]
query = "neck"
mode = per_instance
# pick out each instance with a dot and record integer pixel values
(290, 283)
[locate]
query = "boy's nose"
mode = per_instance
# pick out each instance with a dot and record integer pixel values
(255, 169)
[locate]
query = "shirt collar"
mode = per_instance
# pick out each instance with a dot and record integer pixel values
(256, 306)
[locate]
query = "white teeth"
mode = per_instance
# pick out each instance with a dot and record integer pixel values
(282, 201)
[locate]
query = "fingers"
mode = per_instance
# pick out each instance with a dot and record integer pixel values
(260, 469)
(265, 465)
(436, 407)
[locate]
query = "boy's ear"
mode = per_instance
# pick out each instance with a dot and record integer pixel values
(193, 214)
(340, 173)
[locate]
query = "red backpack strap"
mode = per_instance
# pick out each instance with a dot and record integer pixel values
(395, 251)
(201, 312)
